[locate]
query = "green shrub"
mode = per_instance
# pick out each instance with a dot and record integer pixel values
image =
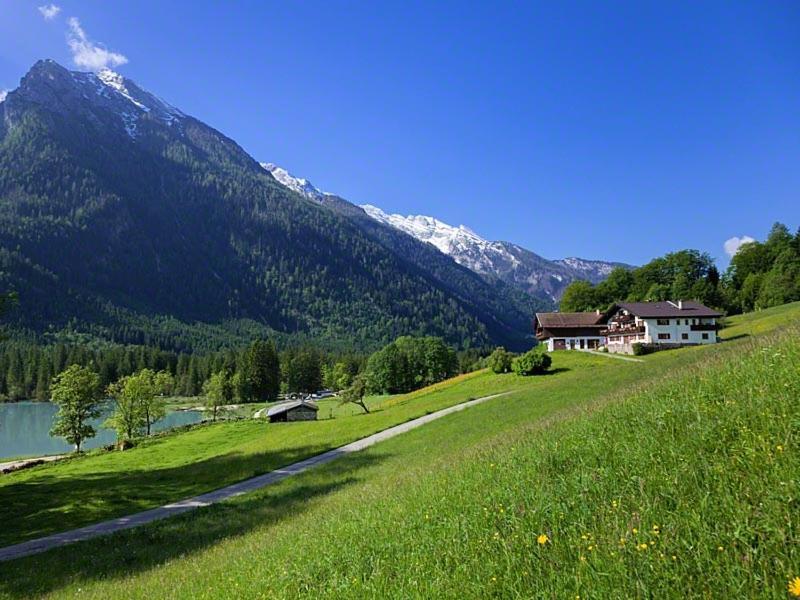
(500, 361)
(640, 349)
(533, 362)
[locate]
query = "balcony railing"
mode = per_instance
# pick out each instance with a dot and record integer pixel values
(625, 330)
(704, 327)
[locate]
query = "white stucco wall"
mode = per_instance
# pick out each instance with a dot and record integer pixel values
(676, 328)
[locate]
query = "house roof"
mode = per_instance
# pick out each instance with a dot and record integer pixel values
(559, 320)
(287, 406)
(688, 308)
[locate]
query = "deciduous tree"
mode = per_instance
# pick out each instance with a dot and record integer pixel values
(218, 391)
(355, 393)
(78, 394)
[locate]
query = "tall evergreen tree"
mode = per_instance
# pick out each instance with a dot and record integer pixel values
(261, 372)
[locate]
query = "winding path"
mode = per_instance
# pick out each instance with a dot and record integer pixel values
(237, 489)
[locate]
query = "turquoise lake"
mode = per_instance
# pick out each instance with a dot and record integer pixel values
(25, 429)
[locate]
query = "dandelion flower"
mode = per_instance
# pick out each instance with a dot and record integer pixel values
(794, 587)
(542, 539)
(779, 448)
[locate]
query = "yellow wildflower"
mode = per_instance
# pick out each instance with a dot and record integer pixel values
(635, 530)
(794, 587)
(542, 539)
(779, 448)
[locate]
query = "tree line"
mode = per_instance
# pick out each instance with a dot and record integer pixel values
(27, 370)
(760, 275)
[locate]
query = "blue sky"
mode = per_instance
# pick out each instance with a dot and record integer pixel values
(615, 130)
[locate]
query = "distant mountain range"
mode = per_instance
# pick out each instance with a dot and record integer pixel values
(504, 261)
(124, 219)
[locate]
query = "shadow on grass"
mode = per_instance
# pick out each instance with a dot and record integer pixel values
(137, 550)
(49, 504)
(735, 337)
(555, 371)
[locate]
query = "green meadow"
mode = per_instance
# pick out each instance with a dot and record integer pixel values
(675, 476)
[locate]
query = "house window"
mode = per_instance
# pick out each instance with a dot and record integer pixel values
(686, 322)
(662, 321)
(663, 336)
(705, 336)
(684, 336)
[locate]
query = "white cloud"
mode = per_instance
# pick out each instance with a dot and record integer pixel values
(3, 94)
(49, 11)
(88, 54)
(733, 244)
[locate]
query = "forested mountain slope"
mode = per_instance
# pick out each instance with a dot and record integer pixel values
(124, 218)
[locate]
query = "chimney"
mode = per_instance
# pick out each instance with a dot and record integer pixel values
(597, 312)
(680, 304)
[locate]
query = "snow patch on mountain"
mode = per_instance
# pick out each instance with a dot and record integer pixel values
(131, 102)
(297, 184)
(598, 269)
(116, 82)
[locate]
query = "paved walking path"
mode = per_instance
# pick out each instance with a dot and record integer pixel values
(613, 355)
(16, 464)
(237, 489)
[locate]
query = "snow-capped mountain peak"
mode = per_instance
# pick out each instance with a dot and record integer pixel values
(505, 261)
(299, 185)
(462, 243)
(65, 91)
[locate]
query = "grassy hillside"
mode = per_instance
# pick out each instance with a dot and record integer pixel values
(52, 498)
(676, 476)
(762, 321)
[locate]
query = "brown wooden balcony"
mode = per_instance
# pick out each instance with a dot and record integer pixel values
(625, 330)
(704, 327)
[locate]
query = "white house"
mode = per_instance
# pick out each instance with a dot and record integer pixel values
(571, 331)
(660, 325)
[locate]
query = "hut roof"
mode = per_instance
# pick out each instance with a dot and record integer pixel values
(287, 406)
